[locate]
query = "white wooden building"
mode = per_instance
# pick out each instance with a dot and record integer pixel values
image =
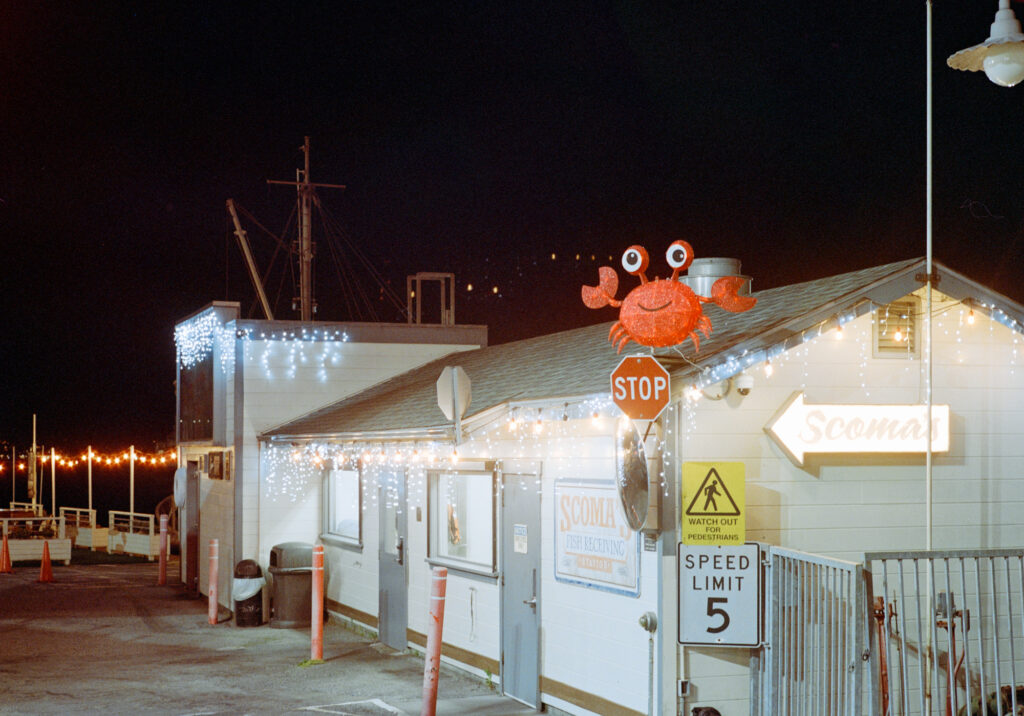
(237, 377)
(547, 584)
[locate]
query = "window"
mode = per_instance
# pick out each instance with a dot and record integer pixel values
(896, 329)
(343, 506)
(461, 511)
(195, 401)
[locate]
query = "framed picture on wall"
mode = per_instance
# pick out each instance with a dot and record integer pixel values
(216, 460)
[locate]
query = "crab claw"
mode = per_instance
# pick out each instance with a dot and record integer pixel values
(604, 293)
(725, 293)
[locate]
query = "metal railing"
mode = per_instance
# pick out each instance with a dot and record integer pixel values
(813, 658)
(35, 508)
(78, 517)
(131, 522)
(948, 632)
(33, 527)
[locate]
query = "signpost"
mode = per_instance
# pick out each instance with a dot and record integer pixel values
(800, 428)
(720, 592)
(640, 387)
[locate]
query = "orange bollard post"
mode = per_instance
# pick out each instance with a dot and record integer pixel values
(317, 631)
(5, 558)
(214, 577)
(432, 665)
(45, 570)
(162, 579)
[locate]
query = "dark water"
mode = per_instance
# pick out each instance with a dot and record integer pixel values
(110, 488)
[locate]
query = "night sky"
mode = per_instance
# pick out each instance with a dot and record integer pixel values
(477, 138)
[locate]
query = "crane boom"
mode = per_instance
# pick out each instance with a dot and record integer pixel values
(243, 242)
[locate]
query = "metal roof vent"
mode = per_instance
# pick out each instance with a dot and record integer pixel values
(703, 273)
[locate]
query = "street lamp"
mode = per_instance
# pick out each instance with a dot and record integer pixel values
(1001, 56)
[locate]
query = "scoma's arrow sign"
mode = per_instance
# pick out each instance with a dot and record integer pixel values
(640, 387)
(800, 428)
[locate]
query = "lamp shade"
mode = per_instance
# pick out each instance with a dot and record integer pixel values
(1001, 56)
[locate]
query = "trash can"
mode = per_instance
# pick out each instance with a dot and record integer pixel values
(247, 592)
(291, 566)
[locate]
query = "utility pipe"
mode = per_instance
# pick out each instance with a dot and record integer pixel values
(53, 483)
(92, 516)
(317, 631)
(163, 551)
(214, 578)
(131, 489)
(432, 665)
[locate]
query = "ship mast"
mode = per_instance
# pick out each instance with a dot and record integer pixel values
(306, 193)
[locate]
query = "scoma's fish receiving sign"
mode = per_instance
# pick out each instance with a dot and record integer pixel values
(594, 545)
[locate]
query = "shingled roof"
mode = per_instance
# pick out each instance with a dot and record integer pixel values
(577, 363)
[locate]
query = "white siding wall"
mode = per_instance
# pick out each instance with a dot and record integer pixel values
(216, 499)
(284, 380)
(843, 506)
(590, 639)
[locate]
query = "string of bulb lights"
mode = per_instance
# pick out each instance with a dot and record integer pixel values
(65, 459)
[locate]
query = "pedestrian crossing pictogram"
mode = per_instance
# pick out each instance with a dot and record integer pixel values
(712, 498)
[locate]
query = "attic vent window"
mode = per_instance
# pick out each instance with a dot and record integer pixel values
(896, 329)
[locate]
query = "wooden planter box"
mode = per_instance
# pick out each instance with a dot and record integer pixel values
(91, 537)
(31, 550)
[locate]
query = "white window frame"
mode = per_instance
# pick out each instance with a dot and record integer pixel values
(437, 507)
(330, 494)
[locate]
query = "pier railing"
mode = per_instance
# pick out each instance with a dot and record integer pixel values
(36, 509)
(78, 516)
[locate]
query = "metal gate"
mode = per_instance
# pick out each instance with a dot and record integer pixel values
(947, 632)
(812, 659)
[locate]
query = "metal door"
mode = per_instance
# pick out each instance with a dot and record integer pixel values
(192, 529)
(520, 585)
(393, 573)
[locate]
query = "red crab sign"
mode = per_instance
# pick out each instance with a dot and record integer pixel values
(662, 313)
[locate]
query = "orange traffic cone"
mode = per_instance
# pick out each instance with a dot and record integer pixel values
(45, 571)
(5, 558)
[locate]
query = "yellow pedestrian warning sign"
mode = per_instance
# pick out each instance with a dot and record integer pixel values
(714, 503)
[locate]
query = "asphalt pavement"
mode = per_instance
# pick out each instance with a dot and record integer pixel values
(104, 638)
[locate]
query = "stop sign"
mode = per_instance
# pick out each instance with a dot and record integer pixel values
(640, 387)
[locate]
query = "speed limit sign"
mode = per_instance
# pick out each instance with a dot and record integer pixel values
(720, 600)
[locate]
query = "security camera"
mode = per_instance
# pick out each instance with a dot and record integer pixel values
(744, 383)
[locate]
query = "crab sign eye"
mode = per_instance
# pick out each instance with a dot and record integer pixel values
(635, 260)
(679, 255)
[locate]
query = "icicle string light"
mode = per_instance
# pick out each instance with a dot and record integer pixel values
(196, 339)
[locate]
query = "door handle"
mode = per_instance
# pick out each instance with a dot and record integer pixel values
(400, 550)
(532, 603)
